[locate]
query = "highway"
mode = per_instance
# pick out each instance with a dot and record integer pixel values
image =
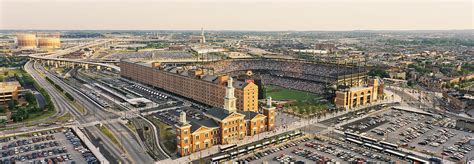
(63, 105)
(56, 97)
(55, 56)
(98, 113)
(133, 152)
(130, 141)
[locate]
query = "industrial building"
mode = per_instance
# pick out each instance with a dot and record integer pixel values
(26, 41)
(38, 40)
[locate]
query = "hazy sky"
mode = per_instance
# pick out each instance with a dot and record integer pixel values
(237, 14)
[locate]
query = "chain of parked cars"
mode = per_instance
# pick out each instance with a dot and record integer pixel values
(259, 155)
(414, 132)
(438, 138)
(314, 156)
(417, 129)
(284, 158)
(459, 149)
(77, 144)
(42, 148)
(349, 152)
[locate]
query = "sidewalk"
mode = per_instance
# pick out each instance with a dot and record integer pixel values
(278, 130)
(92, 148)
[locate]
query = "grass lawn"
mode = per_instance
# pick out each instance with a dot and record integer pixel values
(29, 83)
(277, 92)
(80, 108)
(104, 129)
(131, 126)
(169, 138)
(306, 110)
(167, 134)
(65, 118)
(34, 116)
(8, 128)
(11, 72)
(306, 103)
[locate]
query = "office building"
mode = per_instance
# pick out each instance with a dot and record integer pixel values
(9, 91)
(225, 126)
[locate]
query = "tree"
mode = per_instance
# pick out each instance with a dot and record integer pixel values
(20, 115)
(313, 109)
(30, 98)
(1, 109)
(11, 104)
(3, 122)
(379, 72)
(35, 109)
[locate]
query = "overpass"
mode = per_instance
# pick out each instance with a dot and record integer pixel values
(60, 62)
(77, 48)
(53, 58)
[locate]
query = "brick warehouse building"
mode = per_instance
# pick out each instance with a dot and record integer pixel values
(225, 126)
(191, 83)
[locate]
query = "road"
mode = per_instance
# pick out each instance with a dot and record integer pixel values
(63, 106)
(432, 103)
(98, 113)
(133, 152)
(60, 106)
(54, 56)
(161, 154)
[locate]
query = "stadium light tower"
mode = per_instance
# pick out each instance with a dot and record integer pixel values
(203, 38)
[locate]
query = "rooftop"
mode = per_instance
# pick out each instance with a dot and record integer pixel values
(185, 71)
(249, 115)
(358, 88)
(10, 86)
(218, 113)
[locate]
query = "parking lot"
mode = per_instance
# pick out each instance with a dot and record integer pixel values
(354, 114)
(424, 133)
(53, 146)
(366, 124)
(319, 150)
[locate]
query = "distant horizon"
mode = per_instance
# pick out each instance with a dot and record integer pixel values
(237, 15)
(230, 30)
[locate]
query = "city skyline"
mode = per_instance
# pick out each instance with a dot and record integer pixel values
(237, 81)
(240, 16)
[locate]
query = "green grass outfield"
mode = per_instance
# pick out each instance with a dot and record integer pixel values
(307, 103)
(277, 92)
